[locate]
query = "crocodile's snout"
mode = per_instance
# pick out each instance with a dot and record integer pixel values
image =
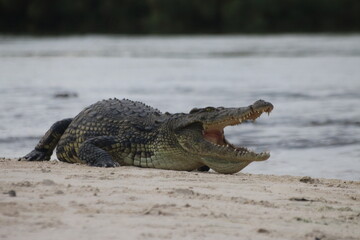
(262, 105)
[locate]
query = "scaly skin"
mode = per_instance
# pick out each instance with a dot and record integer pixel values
(122, 132)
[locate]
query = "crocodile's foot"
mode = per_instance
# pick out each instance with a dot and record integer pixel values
(107, 163)
(35, 155)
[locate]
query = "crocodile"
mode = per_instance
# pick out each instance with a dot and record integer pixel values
(116, 132)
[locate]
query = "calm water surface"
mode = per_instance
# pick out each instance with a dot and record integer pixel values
(313, 82)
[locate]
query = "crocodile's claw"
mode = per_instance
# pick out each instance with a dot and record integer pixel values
(105, 163)
(35, 155)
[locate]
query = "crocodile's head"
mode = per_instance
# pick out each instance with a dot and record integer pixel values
(201, 133)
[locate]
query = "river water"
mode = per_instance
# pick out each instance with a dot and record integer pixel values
(313, 82)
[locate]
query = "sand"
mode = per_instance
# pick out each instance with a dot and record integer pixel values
(55, 200)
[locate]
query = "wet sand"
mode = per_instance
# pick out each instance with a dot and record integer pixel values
(55, 200)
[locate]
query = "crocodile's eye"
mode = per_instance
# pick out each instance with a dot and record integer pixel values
(209, 109)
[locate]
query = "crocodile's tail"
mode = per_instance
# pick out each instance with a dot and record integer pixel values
(48, 142)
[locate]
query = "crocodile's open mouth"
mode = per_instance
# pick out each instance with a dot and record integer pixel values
(214, 132)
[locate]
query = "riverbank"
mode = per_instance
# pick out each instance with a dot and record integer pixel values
(55, 200)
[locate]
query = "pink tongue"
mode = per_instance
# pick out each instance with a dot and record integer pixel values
(214, 136)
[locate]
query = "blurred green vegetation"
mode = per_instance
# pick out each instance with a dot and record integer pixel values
(178, 16)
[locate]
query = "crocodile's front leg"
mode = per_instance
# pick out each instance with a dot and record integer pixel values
(95, 151)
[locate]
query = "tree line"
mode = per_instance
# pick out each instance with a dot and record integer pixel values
(178, 16)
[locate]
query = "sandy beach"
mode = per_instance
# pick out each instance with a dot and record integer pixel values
(55, 200)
